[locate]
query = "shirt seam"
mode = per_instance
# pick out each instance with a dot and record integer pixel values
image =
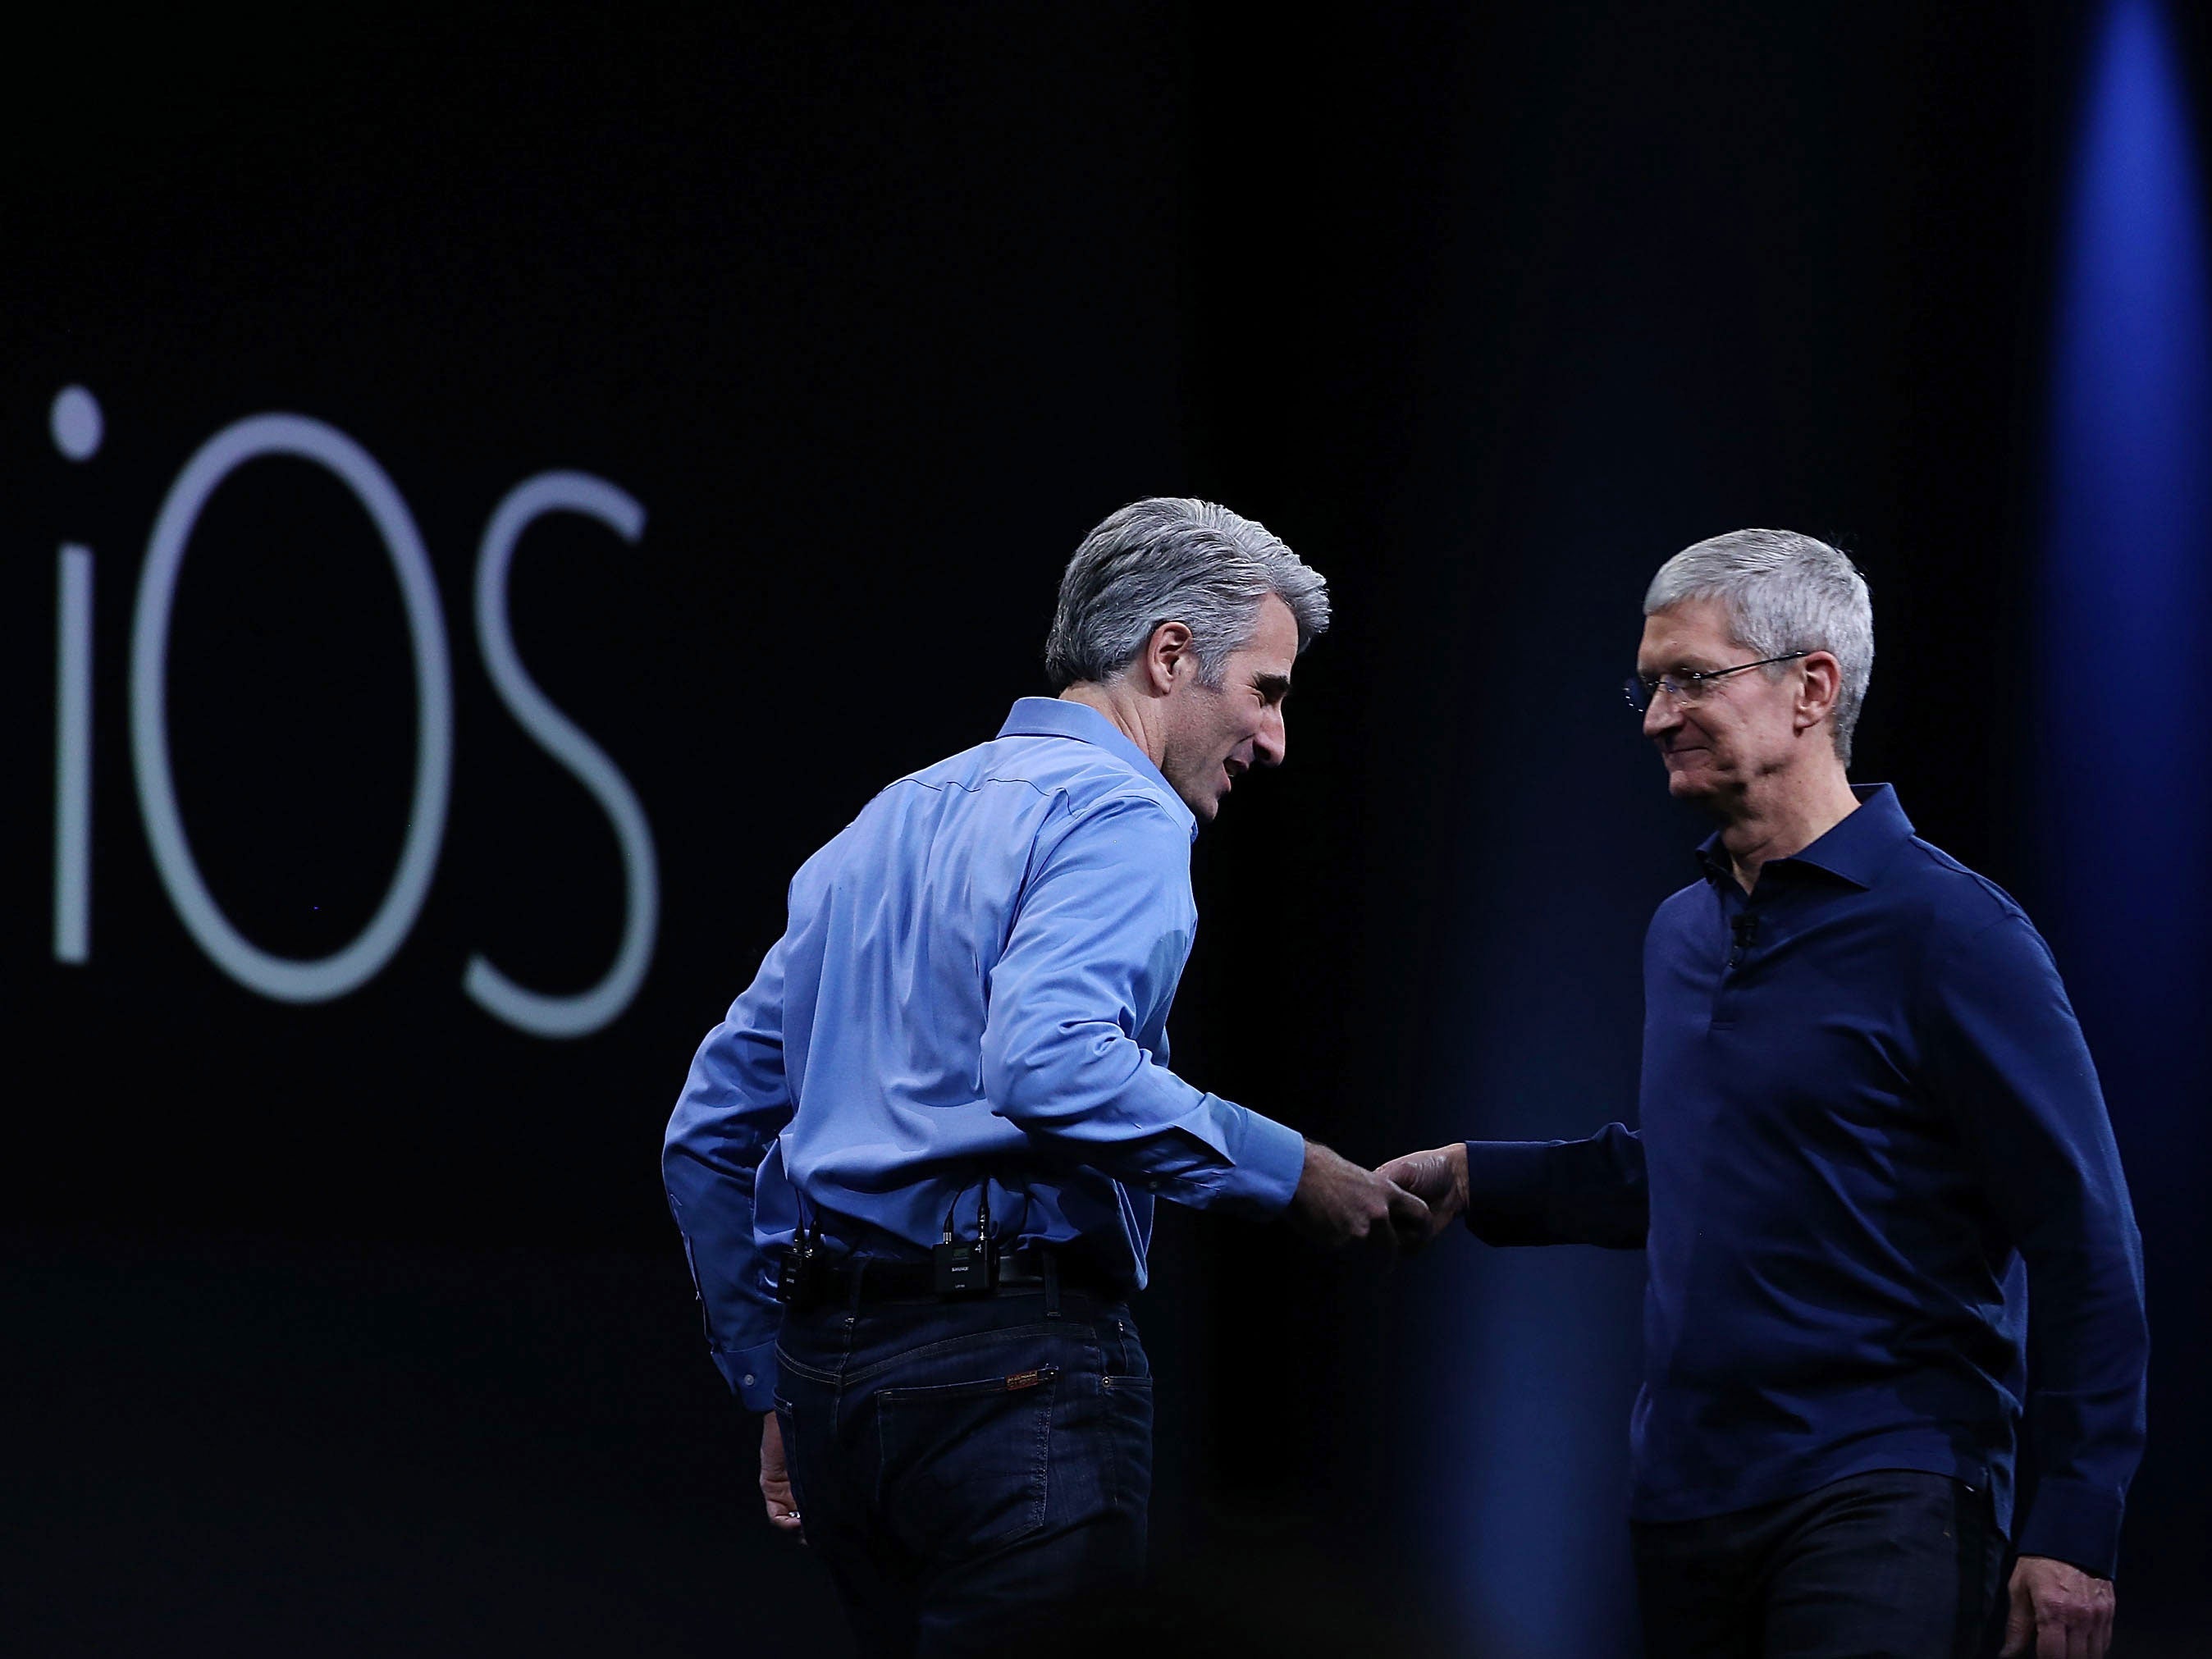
(1136, 789)
(2008, 906)
(977, 788)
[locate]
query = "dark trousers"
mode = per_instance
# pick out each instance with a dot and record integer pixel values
(969, 1471)
(1894, 1564)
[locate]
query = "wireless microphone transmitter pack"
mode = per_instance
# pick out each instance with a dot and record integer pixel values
(964, 1267)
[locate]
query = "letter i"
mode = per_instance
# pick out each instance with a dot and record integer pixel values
(78, 428)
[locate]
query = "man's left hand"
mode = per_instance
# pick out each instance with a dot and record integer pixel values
(2058, 1612)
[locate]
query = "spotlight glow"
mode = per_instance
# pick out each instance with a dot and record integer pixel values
(2125, 770)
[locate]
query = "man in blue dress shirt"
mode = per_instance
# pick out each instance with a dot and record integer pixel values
(914, 1167)
(1869, 1128)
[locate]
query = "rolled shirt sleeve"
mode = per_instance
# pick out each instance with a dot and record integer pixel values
(1073, 1040)
(2008, 1055)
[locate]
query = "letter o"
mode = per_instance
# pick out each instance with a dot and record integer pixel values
(287, 979)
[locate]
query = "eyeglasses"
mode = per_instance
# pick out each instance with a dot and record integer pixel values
(1690, 685)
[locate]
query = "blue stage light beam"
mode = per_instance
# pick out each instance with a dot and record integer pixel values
(2125, 628)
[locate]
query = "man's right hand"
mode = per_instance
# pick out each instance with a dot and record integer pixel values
(776, 1480)
(1438, 1178)
(1338, 1201)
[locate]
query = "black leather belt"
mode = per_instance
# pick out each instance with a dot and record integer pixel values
(883, 1278)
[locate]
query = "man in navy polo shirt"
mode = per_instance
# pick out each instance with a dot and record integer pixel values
(1869, 1130)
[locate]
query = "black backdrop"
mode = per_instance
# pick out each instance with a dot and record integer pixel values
(358, 1324)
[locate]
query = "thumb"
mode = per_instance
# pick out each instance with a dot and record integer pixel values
(1416, 1172)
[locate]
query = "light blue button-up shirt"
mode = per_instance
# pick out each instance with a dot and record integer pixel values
(973, 986)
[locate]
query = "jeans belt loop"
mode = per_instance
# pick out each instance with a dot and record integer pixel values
(1051, 1281)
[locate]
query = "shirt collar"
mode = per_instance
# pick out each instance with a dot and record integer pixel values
(1855, 849)
(1057, 717)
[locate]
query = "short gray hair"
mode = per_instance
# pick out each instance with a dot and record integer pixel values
(1170, 559)
(1783, 593)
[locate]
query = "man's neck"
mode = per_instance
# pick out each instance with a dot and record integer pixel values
(1781, 815)
(1133, 715)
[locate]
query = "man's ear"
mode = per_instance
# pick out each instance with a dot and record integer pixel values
(1818, 691)
(1167, 648)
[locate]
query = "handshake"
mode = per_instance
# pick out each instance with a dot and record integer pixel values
(1407, 1203)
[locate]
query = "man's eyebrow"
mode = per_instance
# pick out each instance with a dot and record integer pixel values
(1271, 685)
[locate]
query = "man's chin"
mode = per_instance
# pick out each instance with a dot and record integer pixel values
(1203, 804)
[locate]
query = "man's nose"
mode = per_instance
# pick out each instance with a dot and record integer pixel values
(1660, 715)
(1271, 740)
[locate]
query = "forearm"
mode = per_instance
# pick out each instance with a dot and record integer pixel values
(723, 1129)
(713, 1210)
(2007, 1055)
(2082, 1429)
(1559, 1192)
(1102, 1101)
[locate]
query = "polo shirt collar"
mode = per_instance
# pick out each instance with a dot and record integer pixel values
(1057, 717)
(1855, 850)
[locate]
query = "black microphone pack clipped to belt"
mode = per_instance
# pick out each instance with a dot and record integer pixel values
(801, 1281)
(958, 1266)
(961, 1268)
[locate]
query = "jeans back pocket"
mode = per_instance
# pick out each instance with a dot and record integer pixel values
(965, 1466)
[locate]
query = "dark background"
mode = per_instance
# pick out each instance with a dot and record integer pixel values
(357, 1326)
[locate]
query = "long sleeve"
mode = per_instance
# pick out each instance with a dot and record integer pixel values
(735, 1101)
(2009, 1055)
(1103, 930)
(1559, 1192)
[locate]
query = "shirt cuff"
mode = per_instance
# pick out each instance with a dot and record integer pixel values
(1267, 1160)
(1509, 1191)
(750, 1373)
(2074, 1523)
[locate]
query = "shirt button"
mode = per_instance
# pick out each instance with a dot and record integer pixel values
(748, 1379)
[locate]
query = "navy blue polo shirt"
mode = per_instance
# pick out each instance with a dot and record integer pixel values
(1869, 1127)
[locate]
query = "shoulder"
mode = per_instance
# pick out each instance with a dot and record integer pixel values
(1964, 918)
(1933, 885)
(1067, 801)
(1130, 825)
(1121, 855)
(991, 795)
(1078, 776)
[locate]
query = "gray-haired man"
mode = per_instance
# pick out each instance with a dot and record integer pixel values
(915, 1168)
(1866, 1107)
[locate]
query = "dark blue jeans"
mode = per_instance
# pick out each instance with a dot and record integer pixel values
(969, 1471)
(1892, 1565)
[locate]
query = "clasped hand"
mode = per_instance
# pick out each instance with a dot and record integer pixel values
(1337, 1201)
(1438, 1178)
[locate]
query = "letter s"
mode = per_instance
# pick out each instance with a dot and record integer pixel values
(588, 1011)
